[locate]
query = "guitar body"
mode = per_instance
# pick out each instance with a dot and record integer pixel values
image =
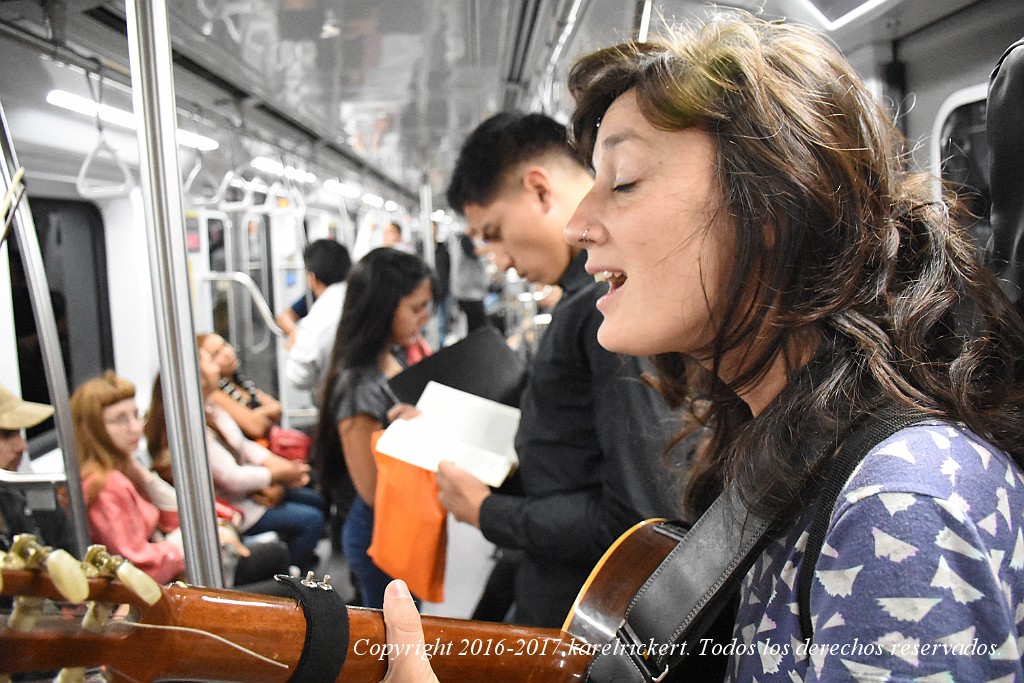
(205, 634)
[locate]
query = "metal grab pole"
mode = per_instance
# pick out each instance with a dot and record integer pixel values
(149, 51)
(49, 341)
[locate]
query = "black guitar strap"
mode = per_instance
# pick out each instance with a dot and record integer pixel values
(873, 431)
(679, 603)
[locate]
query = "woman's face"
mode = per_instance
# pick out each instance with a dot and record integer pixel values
(412, 314)
(653, 232)
(123, 425)
(223, 353)
(209, 372)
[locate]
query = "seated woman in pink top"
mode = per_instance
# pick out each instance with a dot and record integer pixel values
(107, 432)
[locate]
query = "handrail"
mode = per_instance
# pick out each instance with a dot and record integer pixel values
(32, 479)
(257, 298)
(53, 361)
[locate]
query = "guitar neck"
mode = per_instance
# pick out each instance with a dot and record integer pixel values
(231, 636)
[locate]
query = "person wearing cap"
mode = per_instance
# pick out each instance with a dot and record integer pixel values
(16, 516)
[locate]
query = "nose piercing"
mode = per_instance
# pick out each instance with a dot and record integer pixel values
(583, 238)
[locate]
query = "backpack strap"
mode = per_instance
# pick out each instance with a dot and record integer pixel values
(873, 430)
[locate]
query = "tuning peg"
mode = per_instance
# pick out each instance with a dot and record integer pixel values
(71, 675)
(131, 576)
(96, 617)
(65, 571)
(140, 582)
(24, 613)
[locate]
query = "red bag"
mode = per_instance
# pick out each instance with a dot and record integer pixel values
(289, 443)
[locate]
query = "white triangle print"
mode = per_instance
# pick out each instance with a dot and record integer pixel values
(798, 648)
(908, 609)
(1007, 652)
(941, 440)
(904, 647)
(1003, 506)
(947, 539)
(941, 677)
(891, 547)
(1017, 561)
(862, 493)
(896, 502)
(835, 620)
(771, 657)
(950, 468)
(829, 551)
(945, 577)
(838, 581)
(765, 625)
(990, 524)
(983, 453)
(956, 506)
(965, 637)
(898, 449)
(1003, 679)
(1011, 480)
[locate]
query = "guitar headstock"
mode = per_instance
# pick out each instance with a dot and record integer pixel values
(66, 612)
(107, 613)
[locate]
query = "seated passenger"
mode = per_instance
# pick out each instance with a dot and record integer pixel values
(107, 432)
(253, 409)
(16, 516)
(132, 507)
(268, 491)
(387, 303)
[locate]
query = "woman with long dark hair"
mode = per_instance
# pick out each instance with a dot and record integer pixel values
(764, 241)
(387, 303)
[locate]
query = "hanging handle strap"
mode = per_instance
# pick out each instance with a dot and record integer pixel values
(91, 189)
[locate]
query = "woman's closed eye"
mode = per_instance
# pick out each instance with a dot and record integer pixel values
(625, 187)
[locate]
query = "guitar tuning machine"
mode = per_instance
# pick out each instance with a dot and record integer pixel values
(65, 571)
(310, 582)
(115, 566)
(70, 675)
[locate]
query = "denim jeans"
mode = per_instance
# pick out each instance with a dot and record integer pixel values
(355, 540)
(299, 521)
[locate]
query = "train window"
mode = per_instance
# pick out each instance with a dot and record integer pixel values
(71, 239)
(965, 163)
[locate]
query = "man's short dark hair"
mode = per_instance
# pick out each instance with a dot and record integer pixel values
(327, 260)
(497, 145)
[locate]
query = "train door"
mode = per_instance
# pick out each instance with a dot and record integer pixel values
(71, 239)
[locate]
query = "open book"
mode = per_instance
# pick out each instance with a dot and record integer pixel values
(475, 433)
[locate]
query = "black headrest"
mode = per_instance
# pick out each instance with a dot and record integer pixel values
(1005, 133)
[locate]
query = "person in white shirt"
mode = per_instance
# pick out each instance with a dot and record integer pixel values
(327, 265)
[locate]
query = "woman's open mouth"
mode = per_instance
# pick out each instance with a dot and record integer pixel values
(614, 278)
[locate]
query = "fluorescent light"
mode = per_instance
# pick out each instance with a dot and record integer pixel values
(120, 117)
(276, 168)
(267, 166)
(373, 200)
(850, 16)
(344, 189)
(390, 206)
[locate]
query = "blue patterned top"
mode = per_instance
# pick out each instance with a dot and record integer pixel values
(921, 577)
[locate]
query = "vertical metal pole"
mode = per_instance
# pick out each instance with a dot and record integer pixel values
(149, 51)
(49, 340)
(426, 221)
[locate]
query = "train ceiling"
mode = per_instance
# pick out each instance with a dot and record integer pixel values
(391, 87)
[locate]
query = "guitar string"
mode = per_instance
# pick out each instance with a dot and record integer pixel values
(197, 631)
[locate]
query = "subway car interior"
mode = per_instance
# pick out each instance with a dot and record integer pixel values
(167, 163)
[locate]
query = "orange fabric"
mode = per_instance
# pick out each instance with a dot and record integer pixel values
(410, 533)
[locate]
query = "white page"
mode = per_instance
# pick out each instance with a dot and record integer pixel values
(476, 433)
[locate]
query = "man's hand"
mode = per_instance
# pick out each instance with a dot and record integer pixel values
(461, 493)
(407, 661)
